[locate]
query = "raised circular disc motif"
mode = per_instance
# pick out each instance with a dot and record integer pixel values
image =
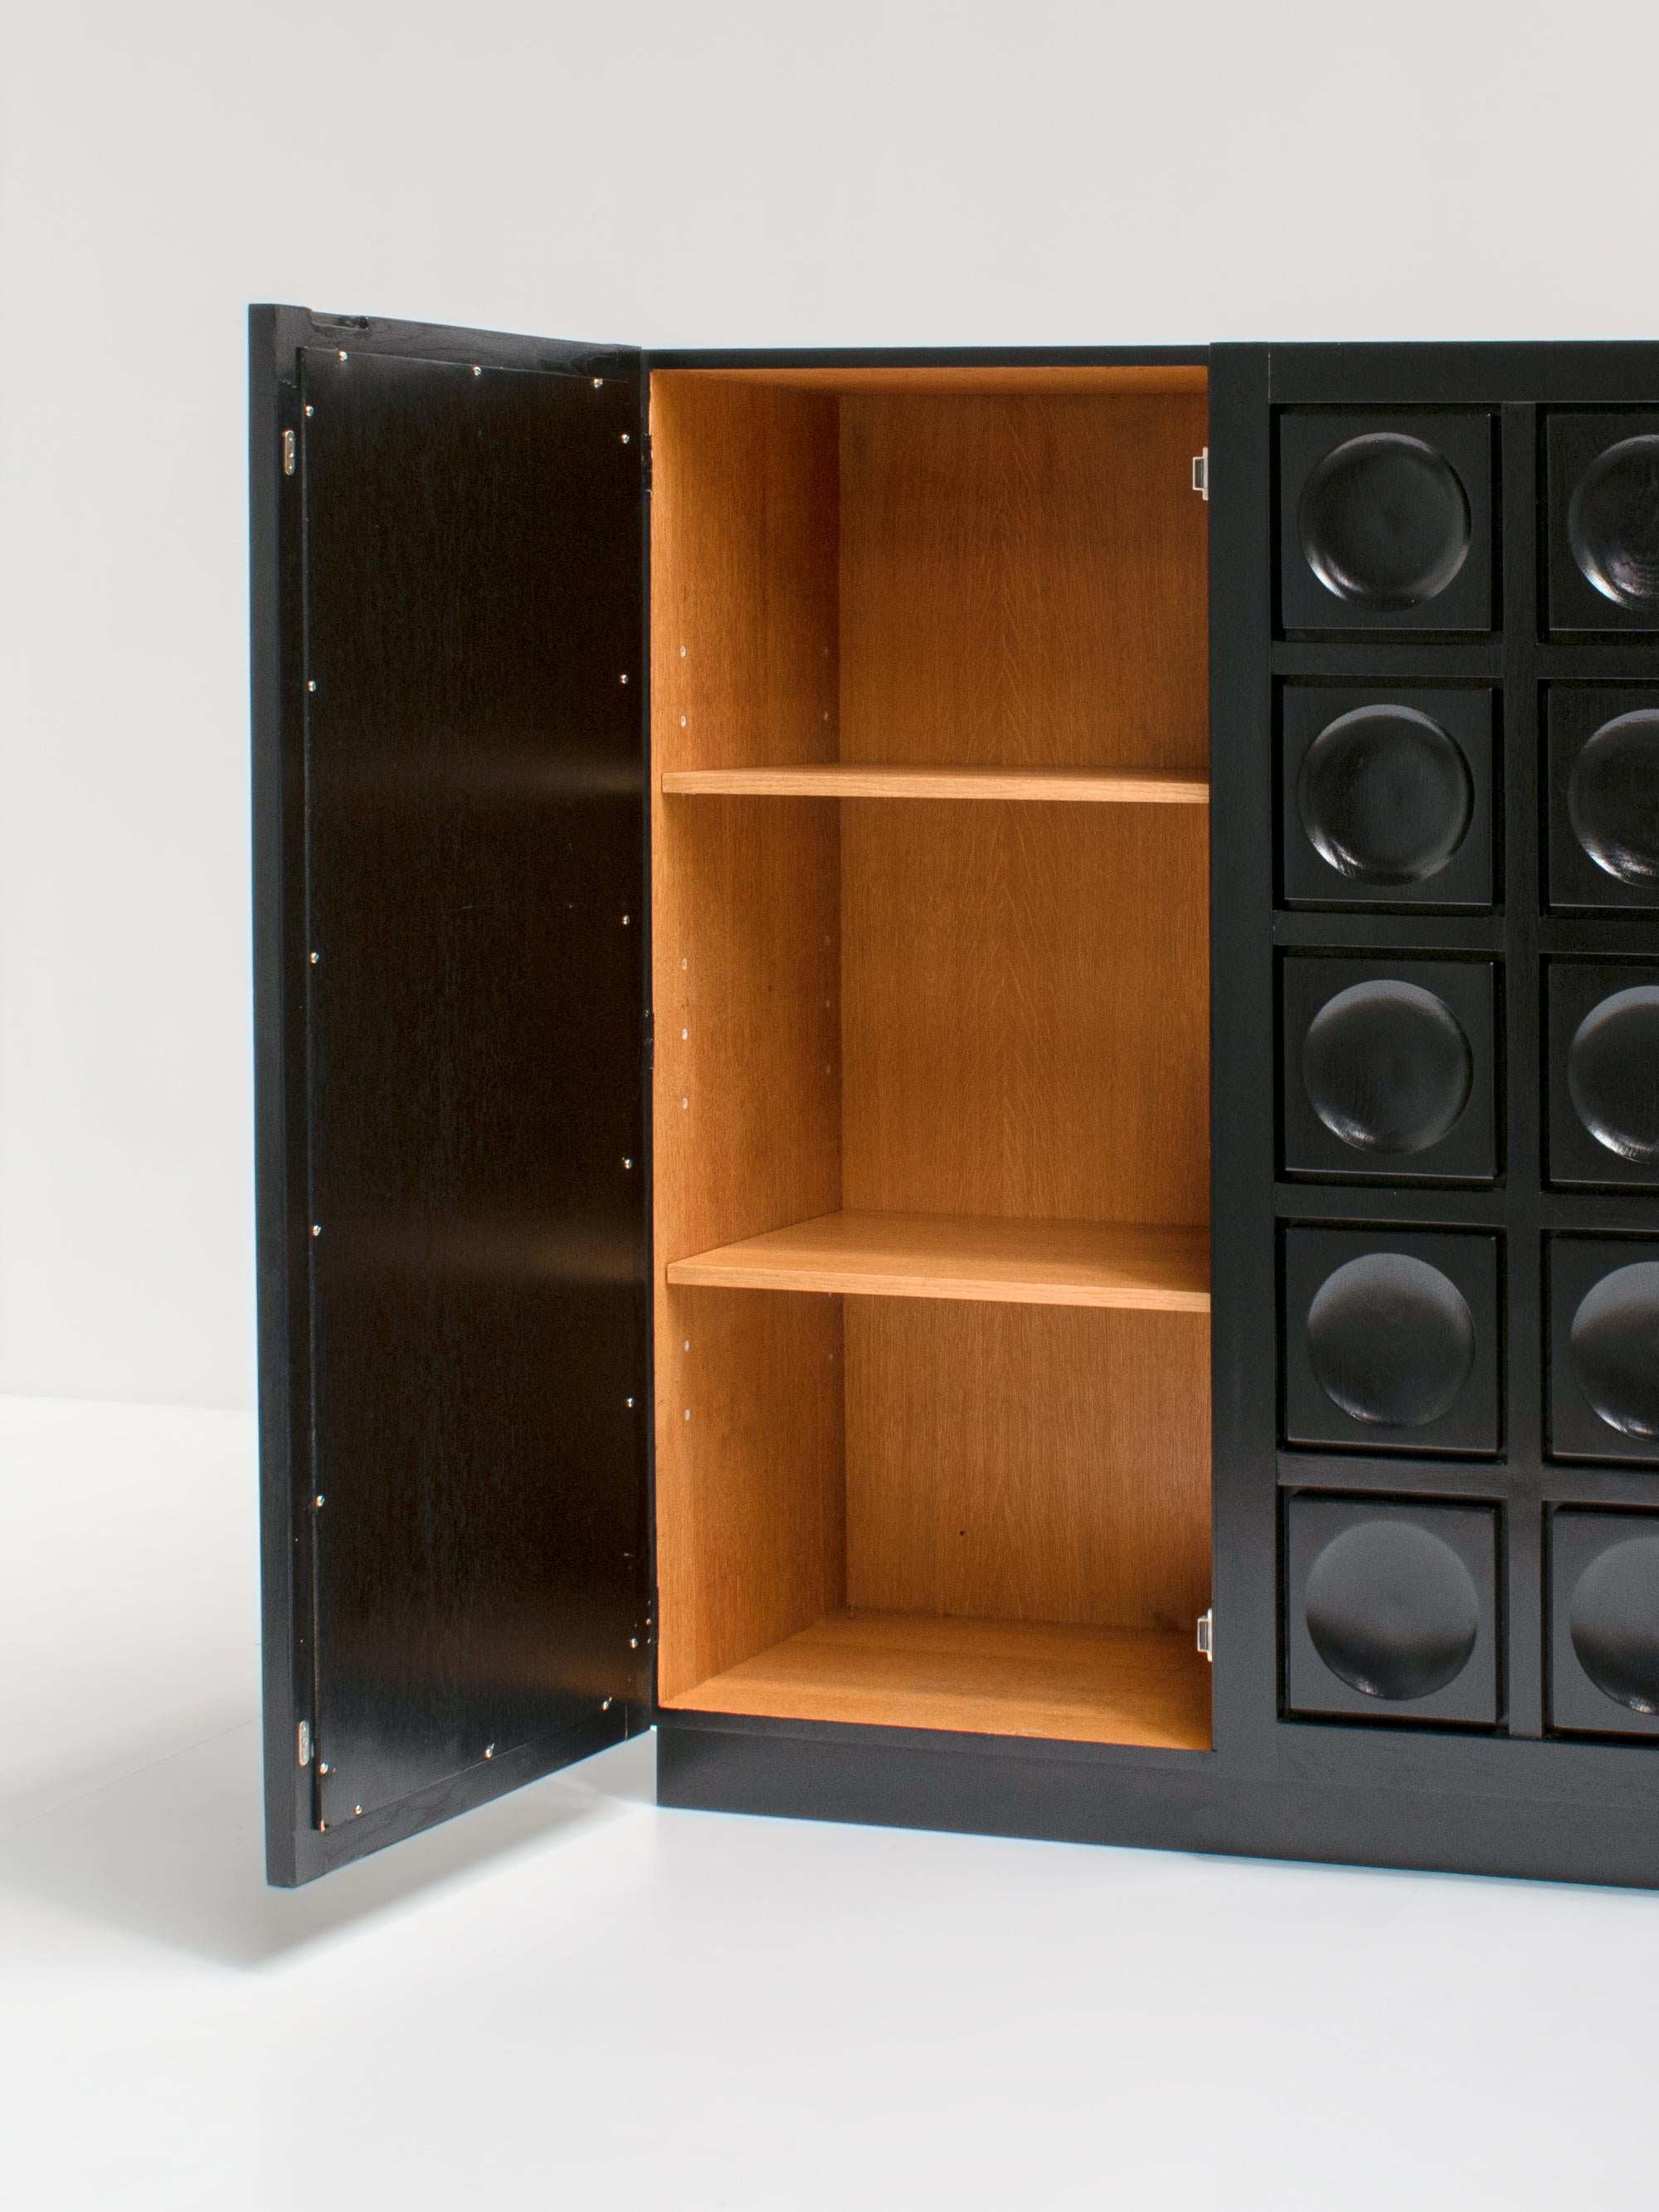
(1392, 1610)
(1387, 1067)
(1384, 521)
(1613, 1622)
(1390, 1340)
(1612, 1073)
(1613, 798)
(1385, 795)
(1612, 524)
(1614, 1348)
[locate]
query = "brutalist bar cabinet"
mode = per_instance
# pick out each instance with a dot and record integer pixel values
(958, 1074)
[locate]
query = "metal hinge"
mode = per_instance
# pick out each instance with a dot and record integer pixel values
(302, 1743)
(287, 453)
(1201, 473)
(1207, 1633)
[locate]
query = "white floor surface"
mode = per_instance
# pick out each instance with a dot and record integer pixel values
(572, 1999)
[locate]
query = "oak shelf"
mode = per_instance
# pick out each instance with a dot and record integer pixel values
(921, 1255)
(857, 780)
(1081, 1685)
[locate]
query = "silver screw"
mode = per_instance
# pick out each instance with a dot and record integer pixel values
(622, 680)
(686, 1346)
(627, 440)
(345, 356)
(627, 1163)
(630, 1401)
(627, 917)
(323, 1768)
(633, 1643)
(490, 1751)
(682, 653)
(477, 371)
(688, 1413)
(358, 1808)
(311, 411)
(604, 1705)
(315, 957)
(682, 722)
(598, 384)
(685, 1102)
(322, 1827)
(311, 684)
(320, 1500)
(316, 1228)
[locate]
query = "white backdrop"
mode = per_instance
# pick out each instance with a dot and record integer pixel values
(880, 171)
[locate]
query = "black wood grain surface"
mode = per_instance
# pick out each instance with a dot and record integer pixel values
(471, 940)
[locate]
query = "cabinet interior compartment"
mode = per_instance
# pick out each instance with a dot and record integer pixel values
(931, 1150)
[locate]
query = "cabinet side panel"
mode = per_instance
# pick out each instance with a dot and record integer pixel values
(746, 906)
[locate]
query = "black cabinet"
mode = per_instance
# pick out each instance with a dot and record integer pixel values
(975, 1132)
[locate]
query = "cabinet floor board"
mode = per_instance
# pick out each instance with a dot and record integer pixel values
(1123, 1685)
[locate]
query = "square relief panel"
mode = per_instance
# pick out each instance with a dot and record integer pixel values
(1604, 1348)
(1386, 795)
(1601, 1041)
(1603, 795)
(1389, 1067)
(1391, 1338)
(1385, 522)
(1604, 1623)
(1603, 520)
(1391, 1609)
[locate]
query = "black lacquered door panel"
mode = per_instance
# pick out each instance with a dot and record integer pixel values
(473, 998)
(1435, 778)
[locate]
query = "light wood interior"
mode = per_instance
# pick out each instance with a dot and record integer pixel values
(931, 1083)
(1035, 379)
(856, 779)
(982, 1677)
(934, 1255)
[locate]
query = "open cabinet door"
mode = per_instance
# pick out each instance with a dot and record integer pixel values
(449, 669)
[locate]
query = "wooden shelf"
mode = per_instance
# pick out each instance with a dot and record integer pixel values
(922, 1255)
(1145, 1686)
(856, 779)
